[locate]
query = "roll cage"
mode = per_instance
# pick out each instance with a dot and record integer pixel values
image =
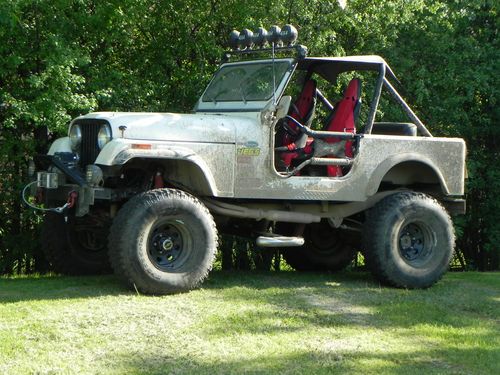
(330, 68)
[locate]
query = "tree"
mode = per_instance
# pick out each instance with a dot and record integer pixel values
(66, 57)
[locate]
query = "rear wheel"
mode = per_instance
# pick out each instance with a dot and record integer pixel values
(163, 241)
(77, 247)
(325, 249)
(409, 240)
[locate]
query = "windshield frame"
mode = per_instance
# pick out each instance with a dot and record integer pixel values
(248, 105)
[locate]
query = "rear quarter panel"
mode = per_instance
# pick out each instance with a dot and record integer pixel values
(377, 154)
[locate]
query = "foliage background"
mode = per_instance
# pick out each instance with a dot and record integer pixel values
(63, 58)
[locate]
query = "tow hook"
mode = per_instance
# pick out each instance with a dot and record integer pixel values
(70, 203)
(72, 196)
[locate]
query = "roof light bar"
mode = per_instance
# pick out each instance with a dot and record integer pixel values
(279, 37)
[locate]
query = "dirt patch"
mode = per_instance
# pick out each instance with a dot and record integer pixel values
(340, 306)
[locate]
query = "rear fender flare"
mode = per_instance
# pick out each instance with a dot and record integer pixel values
(381, 171)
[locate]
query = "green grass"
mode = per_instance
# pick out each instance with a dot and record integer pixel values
(264, 323)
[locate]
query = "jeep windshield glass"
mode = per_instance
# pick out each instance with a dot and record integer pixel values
(245, 82)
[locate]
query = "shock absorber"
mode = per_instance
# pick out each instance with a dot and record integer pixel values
(158, 181)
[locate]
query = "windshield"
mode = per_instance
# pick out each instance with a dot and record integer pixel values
(245, 82)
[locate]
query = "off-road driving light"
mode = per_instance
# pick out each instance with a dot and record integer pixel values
(289, 34)
(245, 39)
(48, 180)
(104, 136)
(31, 168)
(233, 39)
(260, 37)
(75, 136)
(94, 175)
(274, 35)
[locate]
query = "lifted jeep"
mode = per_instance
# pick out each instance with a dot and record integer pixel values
(147, 193)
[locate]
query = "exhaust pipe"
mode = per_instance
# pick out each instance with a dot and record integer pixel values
(232, 210)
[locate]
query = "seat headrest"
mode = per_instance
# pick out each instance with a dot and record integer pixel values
(353, 89)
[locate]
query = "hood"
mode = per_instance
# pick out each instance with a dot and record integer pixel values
(204, 128)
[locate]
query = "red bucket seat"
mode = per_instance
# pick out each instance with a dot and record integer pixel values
(302, 111)
(343, 119)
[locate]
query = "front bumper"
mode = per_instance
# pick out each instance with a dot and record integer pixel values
(56, 182)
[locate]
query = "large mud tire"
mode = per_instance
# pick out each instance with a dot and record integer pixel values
(74, 248)
(325, 249)
(163, 241)
(408, 240)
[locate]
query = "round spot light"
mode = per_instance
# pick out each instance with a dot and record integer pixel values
(233, 39)
(274, 35)
(289, 34)
(260, 37)
(245, 39)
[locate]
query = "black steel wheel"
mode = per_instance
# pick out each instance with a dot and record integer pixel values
(163, 241)
(325, 249)
(416, 243)
(408, 240)
(169, 245)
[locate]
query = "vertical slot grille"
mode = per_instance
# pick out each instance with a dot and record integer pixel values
(88, 148)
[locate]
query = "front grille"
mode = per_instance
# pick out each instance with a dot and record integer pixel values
(88, 148)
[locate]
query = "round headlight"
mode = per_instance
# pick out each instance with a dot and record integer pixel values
(75, 136)
(104, 136)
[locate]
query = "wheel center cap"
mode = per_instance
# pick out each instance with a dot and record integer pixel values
(405, 241)
(167, 244)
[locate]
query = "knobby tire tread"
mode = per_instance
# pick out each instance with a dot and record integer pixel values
(374, 239)
(118, 240)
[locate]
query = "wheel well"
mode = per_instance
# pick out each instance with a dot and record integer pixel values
(184, 174)
(412, 173)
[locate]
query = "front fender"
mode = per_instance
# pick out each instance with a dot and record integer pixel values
(60, 145)
(220, 158)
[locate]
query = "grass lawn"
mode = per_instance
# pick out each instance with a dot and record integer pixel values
(277, 322)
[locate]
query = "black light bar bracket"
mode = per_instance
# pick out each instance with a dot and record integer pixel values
(299, 49)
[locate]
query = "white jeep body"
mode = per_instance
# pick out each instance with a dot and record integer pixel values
(156, 188)
(234, 153)
(227, 150)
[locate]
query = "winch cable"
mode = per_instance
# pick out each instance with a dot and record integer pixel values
(70, 203)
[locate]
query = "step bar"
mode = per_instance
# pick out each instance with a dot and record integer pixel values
(279, 241)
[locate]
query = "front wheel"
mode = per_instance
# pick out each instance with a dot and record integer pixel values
(408, 240)
(163, 241)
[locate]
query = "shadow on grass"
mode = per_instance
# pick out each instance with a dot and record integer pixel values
(16, 289)
(24, 288)
(33, 288)
(50, 287)
(320, 361)
(346, 299)
(287, 279)
(321, 299)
